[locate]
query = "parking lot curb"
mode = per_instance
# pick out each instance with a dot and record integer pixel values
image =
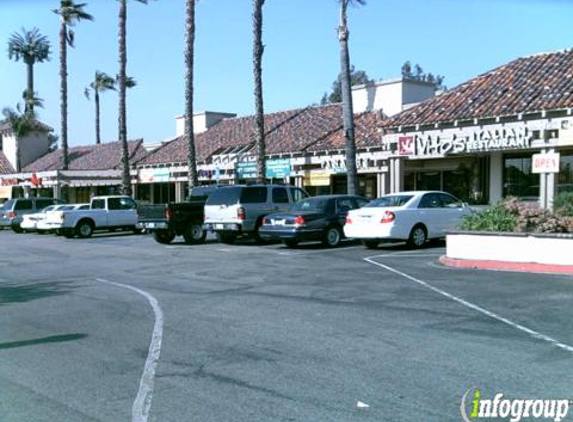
(529, 267)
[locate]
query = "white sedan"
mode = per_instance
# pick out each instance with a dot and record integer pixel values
(52, 218)
(30, 221)
(415, 217)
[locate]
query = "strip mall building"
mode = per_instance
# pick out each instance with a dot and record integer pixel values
(477, 141)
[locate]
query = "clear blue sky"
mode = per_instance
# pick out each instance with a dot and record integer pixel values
(456, 38)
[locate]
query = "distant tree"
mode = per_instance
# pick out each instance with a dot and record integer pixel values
(357, 77)
(122, 85)
(102, 82)
(21, 123)
(418, 74)
(69, 13)
(258, 50)
(52, 142)
(347, 111)
(32, 47)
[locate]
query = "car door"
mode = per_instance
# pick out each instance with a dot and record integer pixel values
(452, 211)
(280, 199)
(122, 212)
(430, 213)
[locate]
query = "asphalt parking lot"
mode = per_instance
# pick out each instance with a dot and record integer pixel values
(118, 328)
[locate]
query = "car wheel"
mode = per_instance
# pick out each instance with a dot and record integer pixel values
(163, 236)
(194, 234)
(17, 229)
(291, 243)
(84, 229)
(332, 236)
(370, 244)
(418, 236)
(226, 238)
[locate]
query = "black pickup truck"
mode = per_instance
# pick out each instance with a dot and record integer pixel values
(165, 221)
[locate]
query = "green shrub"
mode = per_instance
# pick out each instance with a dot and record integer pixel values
(494, 219)
(563, 204)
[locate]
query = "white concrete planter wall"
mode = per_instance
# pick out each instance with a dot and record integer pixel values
(548, 249)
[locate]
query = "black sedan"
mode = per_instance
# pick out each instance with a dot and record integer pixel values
(316, 218)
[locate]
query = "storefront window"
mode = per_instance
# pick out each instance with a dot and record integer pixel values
(565, 176)
(518, 180)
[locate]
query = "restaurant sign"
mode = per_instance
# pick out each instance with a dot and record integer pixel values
(436, 144)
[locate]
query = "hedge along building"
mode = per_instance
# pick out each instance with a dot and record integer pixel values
(92, 170)
(305, 147)
(480, 140)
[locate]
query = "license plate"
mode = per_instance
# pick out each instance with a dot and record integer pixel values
(151, 225)
(219, 226)
(279, 222)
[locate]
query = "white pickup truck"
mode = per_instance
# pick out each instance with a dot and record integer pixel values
(105, 213)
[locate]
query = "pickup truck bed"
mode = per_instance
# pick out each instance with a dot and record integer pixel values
(166, 221)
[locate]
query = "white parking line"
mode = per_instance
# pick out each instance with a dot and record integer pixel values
(470, 305)
(142, 403)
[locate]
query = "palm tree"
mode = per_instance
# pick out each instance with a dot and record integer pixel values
(258, 50)
(70, 13)
(347, 110)
(189, 56)
(32, 47)
(122, 85)
(101, 83)
(21, 124)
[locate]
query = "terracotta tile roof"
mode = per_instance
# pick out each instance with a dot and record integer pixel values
(92, 157)
(529, 84)
(5, 166)
(286, 131)
(6, 126)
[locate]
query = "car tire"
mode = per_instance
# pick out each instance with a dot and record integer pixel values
(332, 236)
(370, 244)
(226, 238)
(164, 237)
(194, 234)
(17, 229)
(84, 229)
(291, 243)
(418, 236)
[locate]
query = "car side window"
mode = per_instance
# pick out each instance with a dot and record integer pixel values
(24, 204)
(298, 194)
(126, 204)
(254, 195)
(449, 201)
(280, 196)
(430, 200)
(43, 203)
(361, 202)
(98, 204)
(343, 205)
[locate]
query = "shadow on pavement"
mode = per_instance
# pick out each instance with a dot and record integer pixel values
(43, 340)
(19, 293)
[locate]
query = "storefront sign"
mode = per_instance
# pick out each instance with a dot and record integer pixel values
(278, 169)
(436, 144)
(545, 163)
(154, 175)
(318, 178)
(246, 170)
(9, 182)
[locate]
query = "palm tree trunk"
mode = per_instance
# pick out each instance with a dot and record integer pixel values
(126, 179)
(30, 92)
(258, 50)
(64, 94)
(189, 53)
(347, 109)
(98, 138)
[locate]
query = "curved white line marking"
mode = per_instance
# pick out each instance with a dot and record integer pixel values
(470, 305)
(142, 403)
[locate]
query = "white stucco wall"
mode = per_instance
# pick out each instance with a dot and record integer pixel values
(9, 148)
(202, 121)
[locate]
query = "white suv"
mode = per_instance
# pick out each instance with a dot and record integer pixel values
(239, 210)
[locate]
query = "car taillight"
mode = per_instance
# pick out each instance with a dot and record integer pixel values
(388, 217)
(265, 220)
(12, 215)
(168, 213)
(241, 213)
(299, 220)
(348, 220)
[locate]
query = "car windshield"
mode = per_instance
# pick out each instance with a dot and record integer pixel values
(390, 201)
(225, 196)
(310, 204)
